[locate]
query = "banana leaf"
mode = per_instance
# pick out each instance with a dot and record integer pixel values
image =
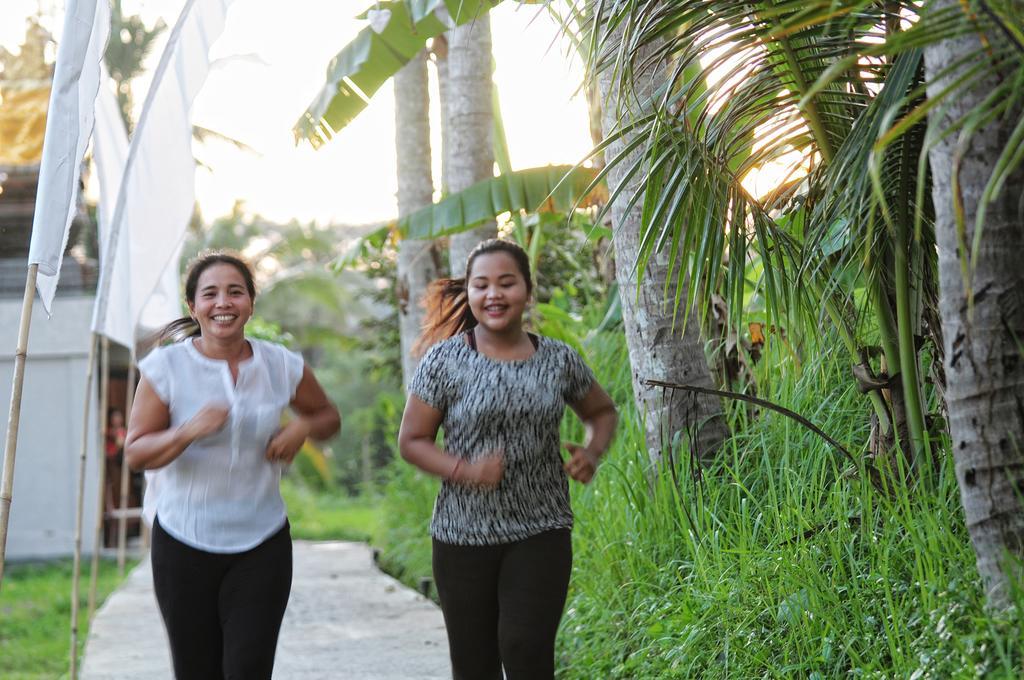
(555, 188)
(372, 58)
(365, 248)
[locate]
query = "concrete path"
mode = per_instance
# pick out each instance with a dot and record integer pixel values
(345, 619)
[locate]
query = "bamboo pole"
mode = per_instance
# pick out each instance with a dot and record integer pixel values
(14, 416)
(122, 520)
(77, 564)
(102, 502)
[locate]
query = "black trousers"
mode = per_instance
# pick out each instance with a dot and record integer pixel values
(222, 611)
(502, 605)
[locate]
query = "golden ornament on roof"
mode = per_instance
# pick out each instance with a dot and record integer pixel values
(25, 81)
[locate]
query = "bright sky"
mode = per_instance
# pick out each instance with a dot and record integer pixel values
(352, 179)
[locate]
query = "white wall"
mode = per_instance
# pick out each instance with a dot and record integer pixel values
(42, 522)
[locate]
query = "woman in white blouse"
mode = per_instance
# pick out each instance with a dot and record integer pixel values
(208, 419)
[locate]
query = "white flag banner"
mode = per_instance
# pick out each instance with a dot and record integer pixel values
(110, 154)
(157, 192)
(69, 123)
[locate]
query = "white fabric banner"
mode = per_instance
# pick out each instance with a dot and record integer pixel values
(110, 153)
(157, 191)
(69, 123)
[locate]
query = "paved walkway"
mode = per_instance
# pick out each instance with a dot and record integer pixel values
(345, 619)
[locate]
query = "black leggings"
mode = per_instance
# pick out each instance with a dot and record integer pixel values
(502, 605)
(222, 611)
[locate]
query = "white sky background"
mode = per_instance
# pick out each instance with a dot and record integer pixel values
(352, 179)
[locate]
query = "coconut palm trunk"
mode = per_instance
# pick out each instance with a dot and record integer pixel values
(417, 261)
(469, 137)
(660, 345)
(982, 308)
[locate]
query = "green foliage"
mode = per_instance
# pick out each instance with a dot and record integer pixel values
(264, 329)
(316, 515)
(378, 422)
(407, 504)
(35, 617)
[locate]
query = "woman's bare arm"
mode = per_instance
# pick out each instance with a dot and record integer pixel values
(597, 411)
(316, 417)
(417, 442)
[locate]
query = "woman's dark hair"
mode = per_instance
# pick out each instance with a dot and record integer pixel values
(187, 327)
(447, 300)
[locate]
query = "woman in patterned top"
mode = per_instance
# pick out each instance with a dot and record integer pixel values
(502, 548)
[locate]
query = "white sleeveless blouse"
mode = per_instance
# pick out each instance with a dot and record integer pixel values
(221, 494)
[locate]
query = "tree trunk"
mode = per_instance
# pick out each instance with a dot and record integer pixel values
(983, 357)
(659, 346)
(417, 265)
(469, 139)
(439, 48)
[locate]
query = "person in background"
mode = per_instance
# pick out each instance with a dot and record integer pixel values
(502, 550)
(115, 435)
(114, 456)
(207, 418)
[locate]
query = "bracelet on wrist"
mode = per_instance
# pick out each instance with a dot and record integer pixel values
(455, 470)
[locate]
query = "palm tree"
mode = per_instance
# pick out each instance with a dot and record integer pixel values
(661, 345)
(469, 136)
(843, 240)
(130, 43)
(977, 196)
(417, 259)
(849, 237)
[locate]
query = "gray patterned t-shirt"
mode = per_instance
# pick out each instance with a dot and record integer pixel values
(515, 406)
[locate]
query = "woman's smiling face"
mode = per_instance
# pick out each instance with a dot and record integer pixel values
(497, 292)
(223, 304)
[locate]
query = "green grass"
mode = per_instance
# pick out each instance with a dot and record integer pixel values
(324, 516)
(35, 617)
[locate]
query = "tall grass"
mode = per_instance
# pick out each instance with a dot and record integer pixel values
(779, 562)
